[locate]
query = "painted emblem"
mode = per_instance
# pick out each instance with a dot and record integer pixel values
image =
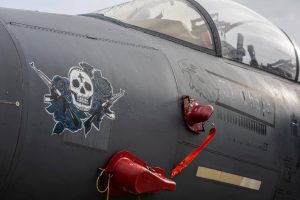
(199, 80)
(80, 101)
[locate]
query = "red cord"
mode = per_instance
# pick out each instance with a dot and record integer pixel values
(193, 154)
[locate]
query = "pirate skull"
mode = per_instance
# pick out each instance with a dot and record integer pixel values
(82, 89)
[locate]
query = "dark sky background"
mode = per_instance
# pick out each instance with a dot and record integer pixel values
(283, 13)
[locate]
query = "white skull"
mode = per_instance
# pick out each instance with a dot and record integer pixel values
(82, 89)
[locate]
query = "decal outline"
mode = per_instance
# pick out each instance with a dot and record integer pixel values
(79, 101)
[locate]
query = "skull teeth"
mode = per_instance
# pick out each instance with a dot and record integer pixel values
(83, 100)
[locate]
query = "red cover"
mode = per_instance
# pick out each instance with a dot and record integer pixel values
(195, 114)
(130, 175)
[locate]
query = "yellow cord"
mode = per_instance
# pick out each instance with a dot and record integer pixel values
(108, 184)
(97, 182)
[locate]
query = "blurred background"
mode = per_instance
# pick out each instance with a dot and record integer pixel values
(285, 14)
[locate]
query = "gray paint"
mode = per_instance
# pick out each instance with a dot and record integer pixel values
(149, 117)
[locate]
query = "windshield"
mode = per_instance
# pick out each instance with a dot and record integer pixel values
(175, 18)
(249, 38)
(298, 53)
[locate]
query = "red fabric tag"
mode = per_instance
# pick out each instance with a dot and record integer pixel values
(183, 164)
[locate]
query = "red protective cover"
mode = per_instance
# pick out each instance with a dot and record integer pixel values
(130, 175)
(187, 160)
(195, 114)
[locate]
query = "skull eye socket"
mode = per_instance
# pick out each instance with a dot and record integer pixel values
(75, 83)
(87, 86)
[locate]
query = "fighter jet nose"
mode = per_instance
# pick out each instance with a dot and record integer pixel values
(195, 114)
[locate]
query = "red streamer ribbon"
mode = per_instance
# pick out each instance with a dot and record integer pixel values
(193, 154)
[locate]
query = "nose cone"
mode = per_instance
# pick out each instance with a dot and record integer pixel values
(11, 96)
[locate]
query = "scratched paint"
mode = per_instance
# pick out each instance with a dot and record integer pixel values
(220, 90)
(17, 103)
(199, 81)
(248, 101)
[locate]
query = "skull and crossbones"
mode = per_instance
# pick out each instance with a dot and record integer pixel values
(82, 89)
(80, 100)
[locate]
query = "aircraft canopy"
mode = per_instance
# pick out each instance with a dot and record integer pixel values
(243, 35)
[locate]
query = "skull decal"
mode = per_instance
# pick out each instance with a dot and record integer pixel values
(82, 89)
(80, 101)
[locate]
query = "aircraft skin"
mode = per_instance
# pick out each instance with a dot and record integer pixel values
(49, 154)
